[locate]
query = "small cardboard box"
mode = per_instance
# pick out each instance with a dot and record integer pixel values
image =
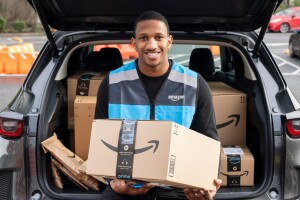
(84, 110)
(230, 110)
(237, 166)
(82, 84)
(163, 152)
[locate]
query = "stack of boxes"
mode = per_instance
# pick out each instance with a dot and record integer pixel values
(82, 96)
(237, 162)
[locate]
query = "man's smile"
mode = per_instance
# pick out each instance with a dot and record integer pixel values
(152, 55)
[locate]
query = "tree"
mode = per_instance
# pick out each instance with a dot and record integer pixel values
(13, 10)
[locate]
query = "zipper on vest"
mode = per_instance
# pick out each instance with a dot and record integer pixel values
(152, 109)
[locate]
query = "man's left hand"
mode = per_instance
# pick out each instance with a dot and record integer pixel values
(202, 194)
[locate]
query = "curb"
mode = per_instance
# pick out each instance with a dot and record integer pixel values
(18, 39)
(21, 34)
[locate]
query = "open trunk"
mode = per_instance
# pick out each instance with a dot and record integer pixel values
(236, 69)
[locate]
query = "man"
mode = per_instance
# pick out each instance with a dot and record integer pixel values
(143, 90)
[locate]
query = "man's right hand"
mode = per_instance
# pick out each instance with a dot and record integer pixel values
(122, 187)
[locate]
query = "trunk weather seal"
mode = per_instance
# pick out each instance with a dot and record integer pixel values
(44, 22)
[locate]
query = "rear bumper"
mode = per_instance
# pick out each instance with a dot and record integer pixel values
(12, 173)
(292, 169)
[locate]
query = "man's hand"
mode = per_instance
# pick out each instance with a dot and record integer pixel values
(202, 194)
(122, 187)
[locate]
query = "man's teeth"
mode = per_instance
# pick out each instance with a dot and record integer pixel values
(152, 54)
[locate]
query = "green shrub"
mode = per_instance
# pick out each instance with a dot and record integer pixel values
(19, 25)
(2, 23)
(296, 2)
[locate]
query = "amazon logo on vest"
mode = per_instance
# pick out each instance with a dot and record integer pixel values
(235, 118)
(153, 144)
(176, 97)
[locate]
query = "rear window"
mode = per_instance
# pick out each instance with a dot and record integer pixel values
(207, 60)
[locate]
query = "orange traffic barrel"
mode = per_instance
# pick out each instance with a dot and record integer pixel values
(99, 46)
(25, 48)
(25, 61)
(128, 52)
(3, 48)
(10, 62)
(1, 63)
(215, 50)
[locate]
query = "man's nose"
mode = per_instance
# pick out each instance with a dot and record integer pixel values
(152, 43)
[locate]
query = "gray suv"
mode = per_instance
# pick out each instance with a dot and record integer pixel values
(238, 58)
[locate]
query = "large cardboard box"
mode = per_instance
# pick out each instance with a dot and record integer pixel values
(230, 110)
(84, 110)
(237, 166)
(82, 84)
(163, 152)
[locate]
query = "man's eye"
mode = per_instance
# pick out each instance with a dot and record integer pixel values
(159, 37)
(143, 38)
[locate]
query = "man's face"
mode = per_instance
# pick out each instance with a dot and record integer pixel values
(152, 43)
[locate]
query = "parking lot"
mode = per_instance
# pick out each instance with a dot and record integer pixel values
(276, 42)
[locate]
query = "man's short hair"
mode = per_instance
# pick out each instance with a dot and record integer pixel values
(151, 15)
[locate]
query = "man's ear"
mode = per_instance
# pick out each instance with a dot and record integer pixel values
(170, 41)
(133, 42)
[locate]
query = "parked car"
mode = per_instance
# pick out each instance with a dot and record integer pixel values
(244, 62)
(294, 44)
(285, 20)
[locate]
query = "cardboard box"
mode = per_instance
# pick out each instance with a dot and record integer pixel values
(237, 166)
(163, 152)
(84, 110)
(82, 84)
(230, 110)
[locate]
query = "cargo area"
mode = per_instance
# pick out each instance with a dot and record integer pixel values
(241, 115)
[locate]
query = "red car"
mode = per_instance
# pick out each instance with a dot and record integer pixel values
(285, 20)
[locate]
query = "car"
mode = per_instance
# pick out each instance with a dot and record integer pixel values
(294, 44)
(285, 20)
(42, 107)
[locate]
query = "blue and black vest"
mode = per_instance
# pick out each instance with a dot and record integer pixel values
(175, 101)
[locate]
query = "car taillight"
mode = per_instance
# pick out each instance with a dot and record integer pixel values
(293, 127)
(11, 128)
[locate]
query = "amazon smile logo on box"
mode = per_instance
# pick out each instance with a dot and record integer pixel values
(154, 145)
(233, 118)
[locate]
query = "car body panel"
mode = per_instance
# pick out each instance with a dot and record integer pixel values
(292, 155)
(12, 162)
(198, 15)
(42, 100)
(294, 44)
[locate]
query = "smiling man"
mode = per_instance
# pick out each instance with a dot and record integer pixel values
(153, 87)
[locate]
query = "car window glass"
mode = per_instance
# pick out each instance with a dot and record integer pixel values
(284, 12)
(297, 13)
(180, 53)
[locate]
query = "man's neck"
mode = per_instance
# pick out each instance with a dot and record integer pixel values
(154, 71)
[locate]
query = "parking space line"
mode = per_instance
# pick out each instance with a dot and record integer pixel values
(280, 64)
(183, 62)
(297, 71)
(287, 62)
(290, 74)
(176, 56)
